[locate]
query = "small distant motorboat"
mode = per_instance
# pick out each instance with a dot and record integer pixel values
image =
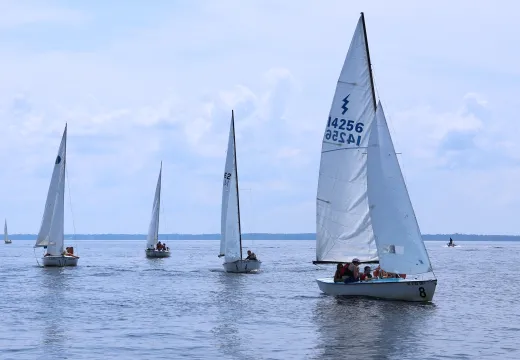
(451, 243)
(152, 251)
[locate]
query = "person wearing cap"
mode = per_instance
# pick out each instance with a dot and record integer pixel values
(352, 271)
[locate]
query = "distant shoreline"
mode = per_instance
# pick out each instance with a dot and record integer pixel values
(261, 236)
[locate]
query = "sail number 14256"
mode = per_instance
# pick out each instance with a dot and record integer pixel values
(343, 131)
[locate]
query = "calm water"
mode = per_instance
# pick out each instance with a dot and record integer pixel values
(118, 304)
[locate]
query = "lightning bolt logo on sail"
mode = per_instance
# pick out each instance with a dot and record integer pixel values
(344, 106)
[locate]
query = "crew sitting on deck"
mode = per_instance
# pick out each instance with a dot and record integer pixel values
(366, 274)
(250, 255)
(338, 276)
(351, 273)
(159, 246)
(381, 274)
(164, 247)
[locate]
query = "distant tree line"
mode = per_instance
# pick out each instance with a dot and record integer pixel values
(261, 236)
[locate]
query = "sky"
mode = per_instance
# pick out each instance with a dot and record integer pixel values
(142, 82)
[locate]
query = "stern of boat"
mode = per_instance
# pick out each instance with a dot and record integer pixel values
(60, 261)
(242, 266)
(154, 253)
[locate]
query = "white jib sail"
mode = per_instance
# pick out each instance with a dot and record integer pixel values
(343, 226)
(230, 231)
(153, 229)
(51, 229)
(399, 242)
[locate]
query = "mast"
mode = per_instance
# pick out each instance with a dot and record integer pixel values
(159, 202)
(63, 192)
(236, 176)
(369, 62)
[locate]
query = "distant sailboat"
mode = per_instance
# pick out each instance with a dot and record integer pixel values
(363, 210)
(231, 236)
(153, 230)
(6, 238)
(51, 234)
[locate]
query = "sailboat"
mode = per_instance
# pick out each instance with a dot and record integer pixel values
(51, 234)
(363, 210)
(230, 235)
(6, 238)
(153, 230)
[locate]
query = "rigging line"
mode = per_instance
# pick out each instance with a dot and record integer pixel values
(36, 257)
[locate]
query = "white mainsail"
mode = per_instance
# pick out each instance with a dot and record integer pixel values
(6, 238)
(343, 225)
(230, 241)
(153, 229)
(51, 229)
(399, 242)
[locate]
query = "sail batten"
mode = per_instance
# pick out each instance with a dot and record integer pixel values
(343, 225)
(51, 233)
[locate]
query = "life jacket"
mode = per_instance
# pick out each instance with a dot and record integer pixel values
(345, 271)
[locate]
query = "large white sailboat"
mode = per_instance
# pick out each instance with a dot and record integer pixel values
(230, 235)
(6, 237)
(363, 209)
(153, 230)
(51, 234)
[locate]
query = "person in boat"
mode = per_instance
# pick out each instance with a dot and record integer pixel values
(250, 255)
(164, 247)
(159, 246)
(351, 273)
(366, 274)
(451, 242)
(338, 276)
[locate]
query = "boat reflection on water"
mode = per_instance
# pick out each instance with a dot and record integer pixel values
(232, 309)
(370, 329)
(53, 310)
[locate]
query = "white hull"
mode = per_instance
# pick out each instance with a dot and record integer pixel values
(157, 253)
(60, 261)
(391, 289)
(242, 266)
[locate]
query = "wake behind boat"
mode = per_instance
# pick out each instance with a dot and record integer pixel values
(51, 234)
(231, 235)
(363, 210)
(154, 248)
(6, 237)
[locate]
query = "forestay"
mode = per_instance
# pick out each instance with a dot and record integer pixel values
(343, 226)
(153, 229)
(51, 229)
(401, 248)
(230, 228)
